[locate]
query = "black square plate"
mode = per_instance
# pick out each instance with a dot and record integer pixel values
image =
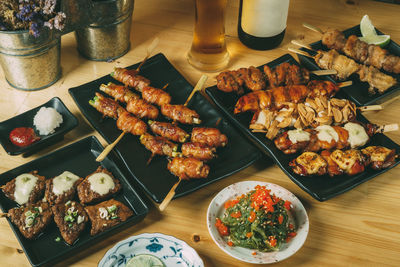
(322, 187)
(26, 120)
(358, 91)
(79, 158)
(155, 178)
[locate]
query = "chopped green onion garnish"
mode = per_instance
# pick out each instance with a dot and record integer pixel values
(58, 239)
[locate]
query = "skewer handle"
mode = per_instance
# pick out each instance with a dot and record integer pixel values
(388, 128)
(324, 72)
(199, 86)
(169, 196)
(345, 84)
(303, 53)
(108, 148)
(295, 42)
(150, 49)
(313, 28)
(370, 108)
(3, 215)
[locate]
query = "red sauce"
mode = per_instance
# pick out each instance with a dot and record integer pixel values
(23, 136)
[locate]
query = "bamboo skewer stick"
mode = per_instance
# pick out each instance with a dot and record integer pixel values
(110, 147)
(295, 42)
(388, 128)
(370, 108)
(345, 84)
(199, 86)
(303, 53)
(313, 28)
(324, 72)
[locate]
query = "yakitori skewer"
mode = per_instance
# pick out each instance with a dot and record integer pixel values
(345, 67)
(110, 147)
(199, 86)
(353, 47)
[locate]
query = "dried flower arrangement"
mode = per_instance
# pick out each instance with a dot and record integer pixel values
(30, 14)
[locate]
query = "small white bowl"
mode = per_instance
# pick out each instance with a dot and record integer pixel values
(216, 209)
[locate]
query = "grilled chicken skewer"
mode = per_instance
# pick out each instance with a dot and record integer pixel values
(199, 151)
(158, 145)
(186, 168)
(277, 97)
(350, 162)
(253, 79)
(353, 47)
(211, 137)
(169, 131)
(135, 105)
(351, 135)
(180, 113)
(346, 66)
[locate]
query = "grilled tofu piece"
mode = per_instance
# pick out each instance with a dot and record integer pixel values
(107, 214)
(31, 219)
(71, 219)
(98, 186)
(62, 188)
(25, 188)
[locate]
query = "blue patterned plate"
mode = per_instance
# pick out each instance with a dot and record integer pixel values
(172, 251)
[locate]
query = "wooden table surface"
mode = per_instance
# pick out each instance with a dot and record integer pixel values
(358, 228)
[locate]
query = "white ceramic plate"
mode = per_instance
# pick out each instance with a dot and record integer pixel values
(172, 251)
(216, 209)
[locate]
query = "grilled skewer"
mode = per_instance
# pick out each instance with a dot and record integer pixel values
(186, 168)
(168, 130)
(350, 162)
(277, 97)
(212, 137)
(158, 145)
(180, 113)
(199, 151)
(351, 135)
(353, 47)
(377, 80)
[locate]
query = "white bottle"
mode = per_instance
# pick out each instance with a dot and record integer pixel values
(262, 23)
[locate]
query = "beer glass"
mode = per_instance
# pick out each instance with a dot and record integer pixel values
(208, 51)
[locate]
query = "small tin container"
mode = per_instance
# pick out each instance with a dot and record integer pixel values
(108, 37)
(30, 63)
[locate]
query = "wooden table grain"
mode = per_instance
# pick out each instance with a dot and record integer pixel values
(358, 228)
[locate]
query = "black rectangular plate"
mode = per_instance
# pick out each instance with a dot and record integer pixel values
(358, 91)
(26, 120)
(155, 178)
(321, 187)
(78, 158)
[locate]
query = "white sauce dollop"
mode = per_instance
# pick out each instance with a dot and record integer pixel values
(101, 183)
(327, 133)
(298, 136)
(24, 185)
(357, 135)
(64, 182)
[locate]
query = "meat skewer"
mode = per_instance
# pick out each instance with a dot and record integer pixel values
(368, 54)
(135, 105)
(211, 137)
(350, 162)
(180, 113)
(253, 79)
(351, 135)
(277, 97)
(168, 130)
(194, 164)
(199, 151)
(158, 145)
(346, 66)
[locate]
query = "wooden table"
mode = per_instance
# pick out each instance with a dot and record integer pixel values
(358, 228)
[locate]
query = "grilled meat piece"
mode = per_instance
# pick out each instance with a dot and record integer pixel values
(199, 151)
(187, 168)
(169, 131)
(378, 81)
(107, 214)
(333, 169)
(106, 106)
(130, 78)
(379, 157)
(97, 186)
(362, 52)
(290, 145)
(142, 109)
(234, 81)
(286, 74)
(322, 88)
(71, 219)
(158, 145)
(180, 113)
(309, 163)
(351, 161)
(210, 136)
(118, 92)
(156, 96)
(25, 188)
(128, 123)
(62, 188)
(31, 219)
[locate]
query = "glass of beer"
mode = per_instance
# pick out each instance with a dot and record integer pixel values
(208, 51)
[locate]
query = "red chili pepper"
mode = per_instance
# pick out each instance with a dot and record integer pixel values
(230, 243)
(236, 214)
(254, 253)
(288, 205)
(252, 216)
(231, 203)
(249, 234)
(272, 241)
(280, 219)
(222, 228)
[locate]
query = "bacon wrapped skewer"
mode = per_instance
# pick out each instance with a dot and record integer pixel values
(169, 130)
(128, 123)
(198, 150)
(158, 145)
(106, 106)
(210, 136)
(156, 96)
(180, 113)
(130, 78)
(187, 168)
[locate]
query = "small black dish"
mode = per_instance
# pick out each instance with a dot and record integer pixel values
(78, 158)
(320, 187)
(358, 91)
(26, 120)
(155, 178)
